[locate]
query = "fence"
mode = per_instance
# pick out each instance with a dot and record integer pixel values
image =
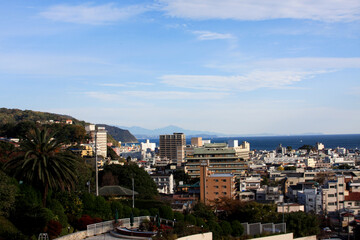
(103, 227)
(259, 228)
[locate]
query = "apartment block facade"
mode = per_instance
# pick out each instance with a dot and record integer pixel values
(169, 146)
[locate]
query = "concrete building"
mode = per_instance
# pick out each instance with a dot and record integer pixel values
(333, 195)
(289, 207)
(250, 183)
(165, 183)
(147, 145)
(319, 146)
(196, 141)
(310, 162)
(222, 159)
(169, 146)
(214, 187)
(269, 194)
(243, 151)
(101, 138)
(311, 199)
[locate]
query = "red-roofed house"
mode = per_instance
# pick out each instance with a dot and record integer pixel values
(352, 202)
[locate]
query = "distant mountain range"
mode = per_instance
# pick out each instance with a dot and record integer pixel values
(143, 133)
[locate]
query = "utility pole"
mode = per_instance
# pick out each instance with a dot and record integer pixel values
(133, 195)
(96, 166)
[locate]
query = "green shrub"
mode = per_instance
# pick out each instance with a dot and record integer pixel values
(59, 212)
(144, 212)
(190, 219)
(237, 228)
(166, 212)
(179, 216)
(226, 228)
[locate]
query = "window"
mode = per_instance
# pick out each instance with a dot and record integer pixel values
(331, 195)
(224, 186)
(216, 186)
(224, 180)
(216, 193)
(216, 180)
(224, 193)
(331, 204)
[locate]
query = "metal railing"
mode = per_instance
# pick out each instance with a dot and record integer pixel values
(259, 228)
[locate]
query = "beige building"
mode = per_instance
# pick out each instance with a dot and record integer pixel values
(289, 207)
(214, 187)
(222, 159)
(169, 146)
(333, 195)
(196, 141)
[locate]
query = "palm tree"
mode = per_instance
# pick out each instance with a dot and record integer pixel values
(43, 164)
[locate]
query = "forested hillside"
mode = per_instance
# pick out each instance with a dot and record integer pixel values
(120, 134)
(10, 119)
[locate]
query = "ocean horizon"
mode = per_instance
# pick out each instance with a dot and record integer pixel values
(348, 141)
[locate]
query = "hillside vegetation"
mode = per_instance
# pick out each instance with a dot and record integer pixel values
(11, 117)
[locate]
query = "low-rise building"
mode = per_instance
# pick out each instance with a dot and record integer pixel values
(164, 182)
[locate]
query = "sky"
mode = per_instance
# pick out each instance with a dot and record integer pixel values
(230, 66)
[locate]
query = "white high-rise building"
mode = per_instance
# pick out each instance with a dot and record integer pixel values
(101, 138)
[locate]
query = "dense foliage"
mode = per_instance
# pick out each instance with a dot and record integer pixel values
(42, 164)
(17, 115)
(143, 184)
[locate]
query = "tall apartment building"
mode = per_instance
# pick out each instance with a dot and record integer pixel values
(101, 138)
(169, 146)
(333, 195)
(214, 187)
(222, 160)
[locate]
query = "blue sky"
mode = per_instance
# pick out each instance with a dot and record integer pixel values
(230, 66)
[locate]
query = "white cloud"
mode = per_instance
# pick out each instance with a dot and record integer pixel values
(175, 95)
(112, 85)
(322, 10)
(207, 35)
(58, 65)
(317, 64)
(311, 63)
(90, 14)
(251, 81)
(155, 95)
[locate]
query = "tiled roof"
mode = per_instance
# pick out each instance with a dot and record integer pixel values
(353, 196)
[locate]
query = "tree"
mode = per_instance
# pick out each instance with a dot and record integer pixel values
(144, 184)
(226, 228)
(166, 212)
(237, 228)
(43, 164)
(302, 224)
(111, 153)
(8, 192)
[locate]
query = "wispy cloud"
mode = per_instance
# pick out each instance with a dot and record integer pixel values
(92, 14)
(321, 10)
(207, 35)
(126, 84)
(155, 95)
(302, 64)
(251, 81)
(112, 85)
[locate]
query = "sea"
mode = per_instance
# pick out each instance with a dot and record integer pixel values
(348, 141)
